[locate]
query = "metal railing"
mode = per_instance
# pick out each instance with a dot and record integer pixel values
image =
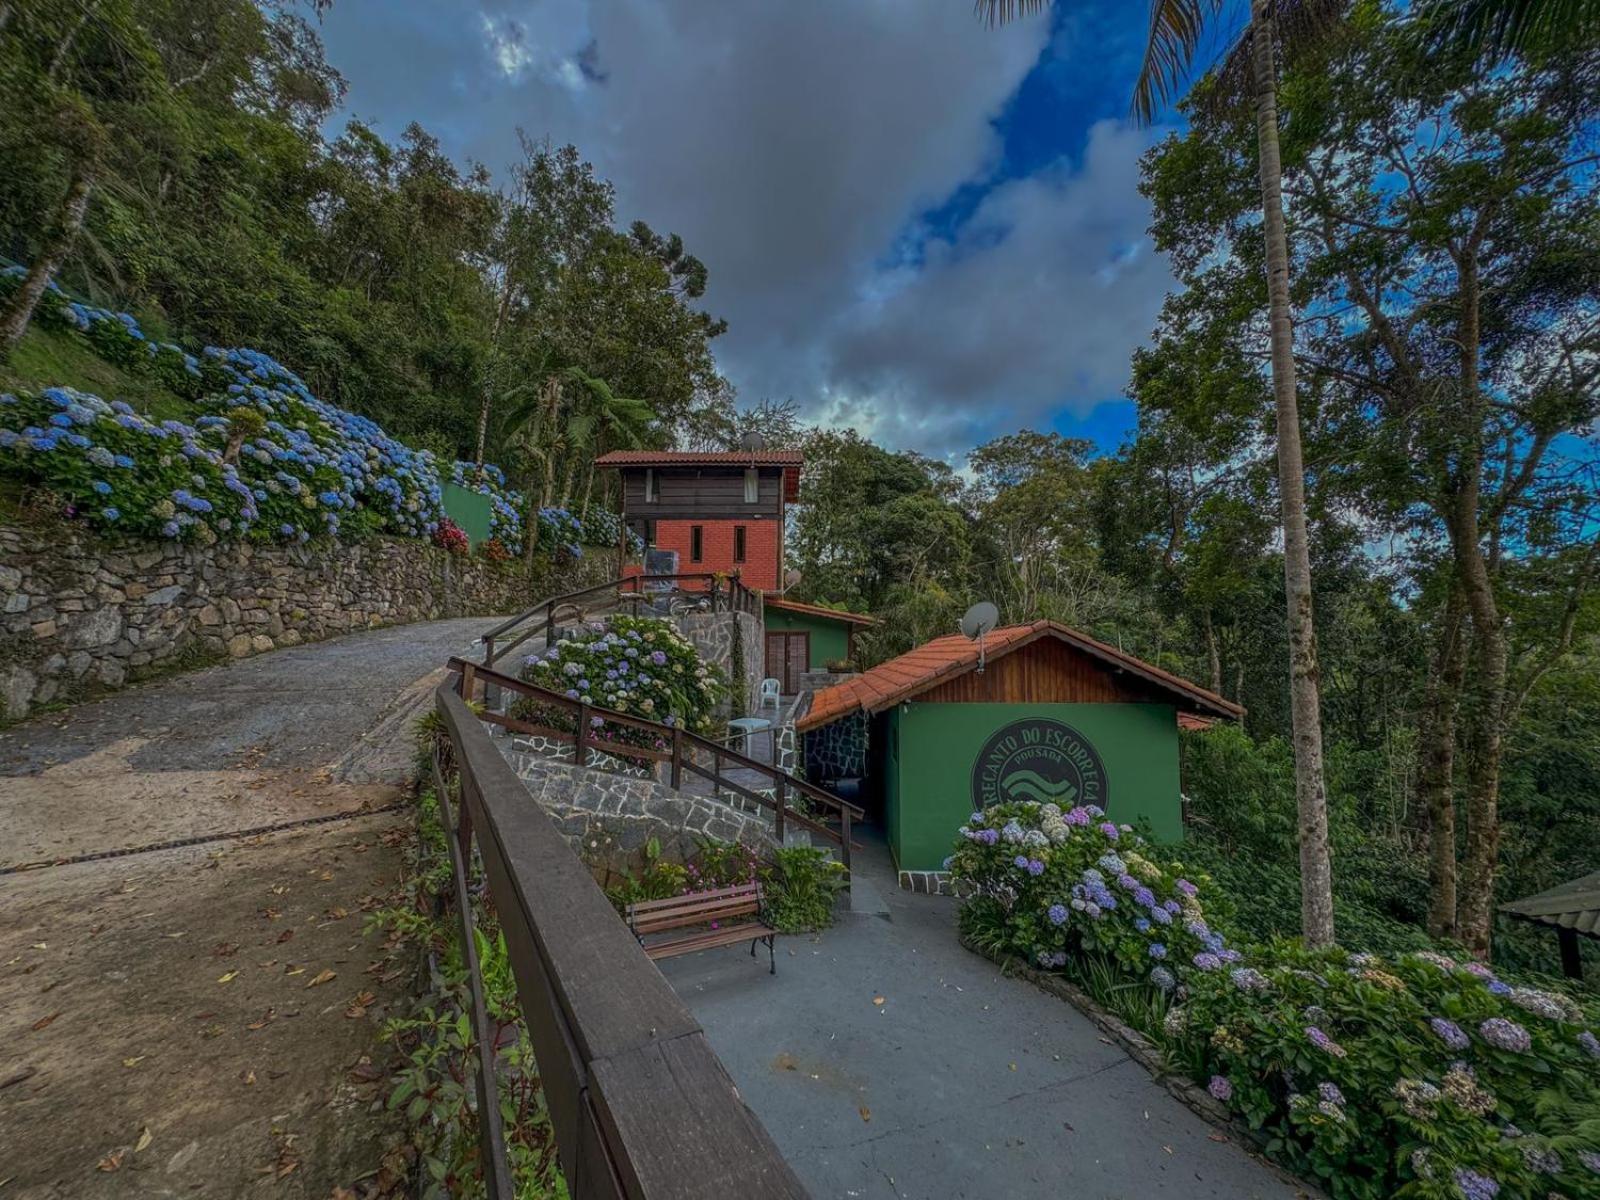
(723, 593)
(685, 754)
(639, 1103)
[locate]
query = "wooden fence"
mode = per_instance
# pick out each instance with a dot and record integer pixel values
(685, 753)
(640, 1105)
(719, 593)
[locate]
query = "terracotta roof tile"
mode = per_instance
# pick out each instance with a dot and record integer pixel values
(955, 654)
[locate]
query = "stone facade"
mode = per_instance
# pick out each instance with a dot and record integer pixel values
(839, 750)
(731, 641)
(609, 818)
(79, 614)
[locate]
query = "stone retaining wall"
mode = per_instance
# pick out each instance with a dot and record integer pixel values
(80, 614)
(731, 641)
(608, 818)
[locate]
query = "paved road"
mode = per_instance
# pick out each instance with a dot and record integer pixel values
(161, 1039)
(961, 1084)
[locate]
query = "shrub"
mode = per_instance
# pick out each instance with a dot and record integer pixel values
(1414, 1076)
(800, 885)
(638, 665)
(450, 536)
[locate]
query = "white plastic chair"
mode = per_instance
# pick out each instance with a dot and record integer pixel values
(770, 689)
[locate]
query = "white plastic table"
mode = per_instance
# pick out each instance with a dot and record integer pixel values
(747, 726)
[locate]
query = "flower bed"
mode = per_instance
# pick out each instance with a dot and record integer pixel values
(635, 665)
(266, 460)
(1417, 1076)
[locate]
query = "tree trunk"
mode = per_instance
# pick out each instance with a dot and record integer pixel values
(15, 321)
(1213, 654)
(1475, 905)
(588, 490)
(501, 310)
(1316, 868)
(1436, 744)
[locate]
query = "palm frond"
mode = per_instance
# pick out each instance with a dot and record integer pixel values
(1494, 30)
(1002, 12)
(1176, 29)
(1298, 27)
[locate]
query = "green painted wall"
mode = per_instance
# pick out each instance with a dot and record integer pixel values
(829, 639)
(468, 509)
(928, 794)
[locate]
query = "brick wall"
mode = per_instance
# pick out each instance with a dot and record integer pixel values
(763, 538)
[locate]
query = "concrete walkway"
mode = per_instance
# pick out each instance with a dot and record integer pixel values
(887, 1061)
(203, 1021)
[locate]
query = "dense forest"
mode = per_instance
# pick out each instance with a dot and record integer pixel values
(184, 160)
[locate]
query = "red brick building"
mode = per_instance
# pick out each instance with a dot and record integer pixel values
(720, 511)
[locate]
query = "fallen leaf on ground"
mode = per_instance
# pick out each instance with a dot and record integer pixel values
(359, 1005)
(228, 978)
(291, 970)
(866, 1113)
(43, 1021)
(224, 949)
(112, 1161)
(144, 1141)
(266, 1019)
(286, 935)
(271, 914)
(878, 1000)
(249, 1078)
(321, 977)
(134, 1062)
(41, 945)
(1217, 1137)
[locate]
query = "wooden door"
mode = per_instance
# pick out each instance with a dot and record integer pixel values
(788, 656)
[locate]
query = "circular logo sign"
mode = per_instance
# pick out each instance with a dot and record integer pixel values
(1039, 760)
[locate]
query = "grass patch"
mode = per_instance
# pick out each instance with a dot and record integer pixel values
(50, 358)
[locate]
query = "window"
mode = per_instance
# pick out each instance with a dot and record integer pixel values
(738, 543)
(696, 542)
(650, 494)
(752, 485)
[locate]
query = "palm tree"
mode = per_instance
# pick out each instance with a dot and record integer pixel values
(1494, 30)
(1177, 28)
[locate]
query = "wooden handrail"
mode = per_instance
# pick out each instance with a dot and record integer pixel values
(683, 744)
(639, 1103)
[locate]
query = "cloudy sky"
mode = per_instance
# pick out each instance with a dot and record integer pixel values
(914, 225)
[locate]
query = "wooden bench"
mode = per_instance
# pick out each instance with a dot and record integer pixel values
(737, 912)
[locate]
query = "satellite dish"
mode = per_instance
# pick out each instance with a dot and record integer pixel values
(752, 441)
(980, 619)
(791, 578)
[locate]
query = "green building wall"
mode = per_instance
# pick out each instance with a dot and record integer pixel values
(830, 640)
(468, 509)
(932, 748)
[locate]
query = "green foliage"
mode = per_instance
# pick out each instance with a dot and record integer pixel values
(435, 1086)
(660, 879)
(800, 885)
(636, 665)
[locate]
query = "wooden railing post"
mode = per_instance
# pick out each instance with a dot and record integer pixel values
(469, 682)
(488, 651)
(549, 625)
(677, 757)
(580, 755)
(779, 796)
(844, 837)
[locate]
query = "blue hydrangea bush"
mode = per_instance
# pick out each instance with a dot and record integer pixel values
(635, 665)
(265, 460)
(1417, 1076)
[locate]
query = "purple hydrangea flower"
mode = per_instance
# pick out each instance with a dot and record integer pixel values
(1507, 1035)
(1142, 924)
(1021, 861)
(1451, 1034)
(1057, 914)
(1035, 867)
(1144, 897)
(1221, 1088)
(1161, 916)
(1076, 816)
(1163, 978)
(1157, 950)
(1187, 888)
(1590, 1044)
(1207, 961)
(1111, 831)
(1330, 1093)
(1475, 1186)
(1323, 1042)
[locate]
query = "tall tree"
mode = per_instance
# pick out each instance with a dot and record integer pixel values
(1177, 29)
